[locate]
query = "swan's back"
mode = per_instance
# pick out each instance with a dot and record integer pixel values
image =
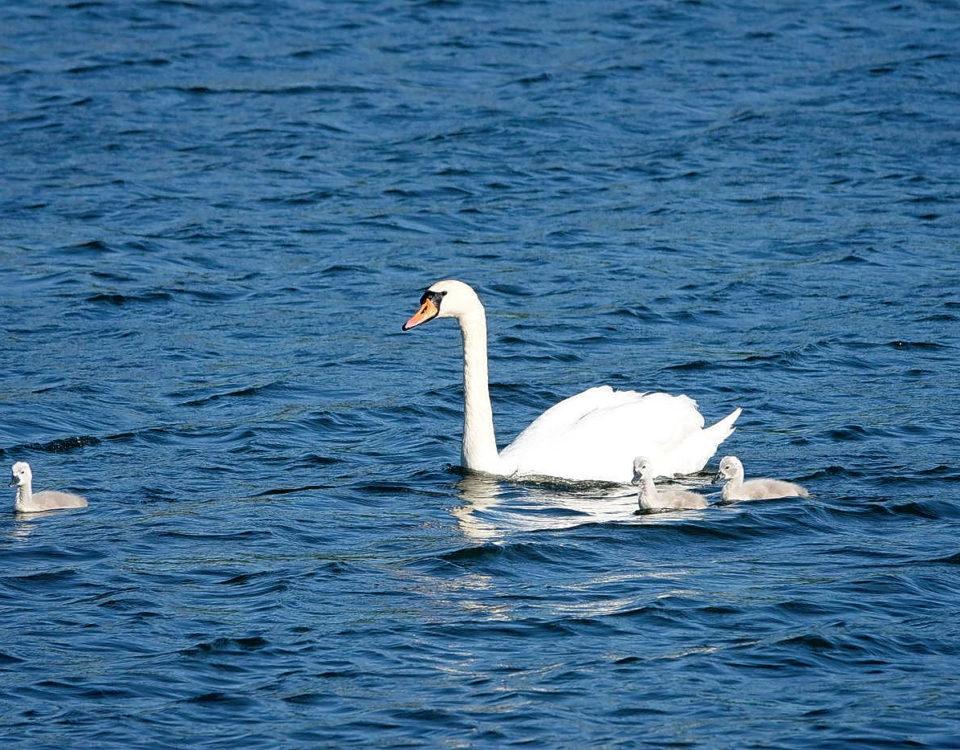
(596, 434)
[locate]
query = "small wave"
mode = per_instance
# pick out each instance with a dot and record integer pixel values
(387, 488)
(941, 471)
(340, 269)
(315, 52)
(59, 445)
(153, 62)
(833, 471)
(953, 559)
(938, 318)
(291, 490)
(226, 646)
(640, 312)
(7, 660)
(241, 579)
(118, 300)
(315, 459)
(236, 536)
(306, 198)
(918, 345)
(512, 290)
(305, 699)
(848, 433)
(251, 390)
(911, 508)
(290, 90)
(695, 365)
(31, 581)
(530, 80)
(221, 698)
(854, 260)
(92, 246)
(514, 552)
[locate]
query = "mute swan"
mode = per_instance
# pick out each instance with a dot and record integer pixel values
(731, 470)
(30, 502)
(592, 436)
(651, 498)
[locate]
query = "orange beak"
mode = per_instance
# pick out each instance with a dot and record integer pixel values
(427, 311)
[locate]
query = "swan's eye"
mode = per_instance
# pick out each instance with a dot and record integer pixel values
(433, 297)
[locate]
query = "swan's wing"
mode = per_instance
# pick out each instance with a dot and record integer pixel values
(565, 413)
(596, 434)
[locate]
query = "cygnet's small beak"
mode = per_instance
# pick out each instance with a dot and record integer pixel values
(14, 482)
(428, 311)
(718, 477)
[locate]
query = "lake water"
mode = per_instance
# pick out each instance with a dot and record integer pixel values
(215, 216)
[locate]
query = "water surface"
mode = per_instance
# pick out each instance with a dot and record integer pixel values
(215, 217)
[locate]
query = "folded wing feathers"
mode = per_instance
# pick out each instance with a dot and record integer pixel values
(599, 432)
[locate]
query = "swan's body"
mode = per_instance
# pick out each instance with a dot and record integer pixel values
(652, 498)
(736, 489)
(28, 501)
(592, 436)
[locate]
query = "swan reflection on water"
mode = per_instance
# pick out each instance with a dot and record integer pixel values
(25, 524)
(492, 508)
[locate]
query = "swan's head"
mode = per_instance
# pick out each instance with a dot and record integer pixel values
(730, 467)
(641, 470)
(445, 299)
(20, 474)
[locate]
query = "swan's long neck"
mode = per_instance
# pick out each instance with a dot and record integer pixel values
(24, 496)
(479, 441)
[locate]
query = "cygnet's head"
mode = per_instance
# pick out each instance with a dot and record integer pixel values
(20, 474)
(445, 299)
(641, 469)
(730, 467)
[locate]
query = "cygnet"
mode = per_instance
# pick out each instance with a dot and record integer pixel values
(29, 501)
(731, 472)
(652, 499)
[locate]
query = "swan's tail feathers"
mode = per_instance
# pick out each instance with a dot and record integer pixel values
(700, 446)
(724, 428)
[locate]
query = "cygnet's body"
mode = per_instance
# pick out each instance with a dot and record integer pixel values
(29, 501)
(735, 488)
(653, 499)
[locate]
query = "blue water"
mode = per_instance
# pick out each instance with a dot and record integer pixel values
(214, 217)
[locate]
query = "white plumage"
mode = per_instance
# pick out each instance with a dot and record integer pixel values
(592, 436)
(596, 434)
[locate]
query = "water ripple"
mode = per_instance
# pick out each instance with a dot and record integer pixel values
(217, 215)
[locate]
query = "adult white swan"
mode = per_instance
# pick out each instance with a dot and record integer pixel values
(593, 436)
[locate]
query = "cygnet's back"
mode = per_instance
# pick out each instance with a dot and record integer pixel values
(54, 500)
(28, 501)
(768, 489)
(737, 489)
(672, 499)
(653, 498)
